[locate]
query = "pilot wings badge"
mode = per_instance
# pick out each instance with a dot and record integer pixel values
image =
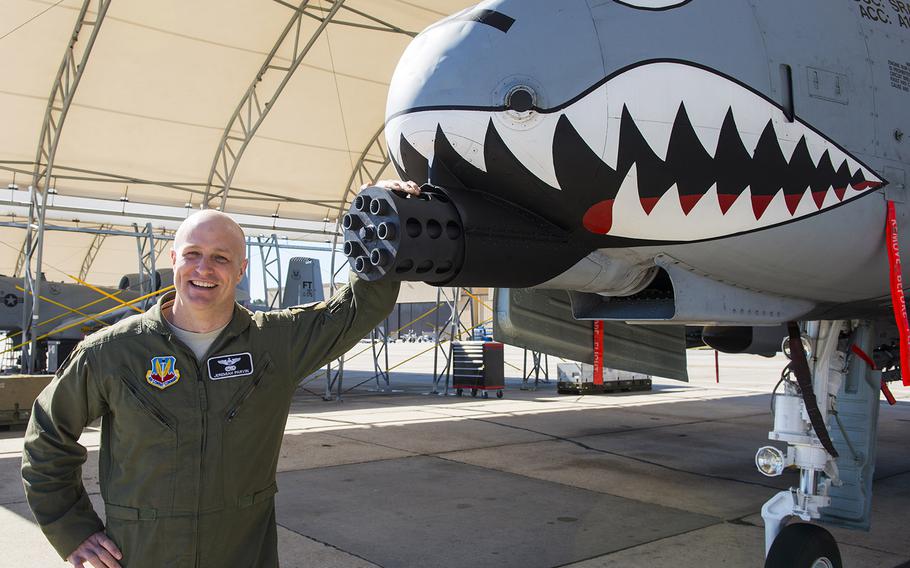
(230, 366)
(163, 373)
(228, 363)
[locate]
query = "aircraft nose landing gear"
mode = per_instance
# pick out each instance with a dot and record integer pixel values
(835, 471)
(804, 545)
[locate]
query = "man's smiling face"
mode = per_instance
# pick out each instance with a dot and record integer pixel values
(208, 260)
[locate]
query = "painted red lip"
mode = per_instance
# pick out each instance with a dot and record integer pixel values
(599, 218)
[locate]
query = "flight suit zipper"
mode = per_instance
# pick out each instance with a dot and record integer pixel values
(203, 405)
(161, 418)
(248, 392)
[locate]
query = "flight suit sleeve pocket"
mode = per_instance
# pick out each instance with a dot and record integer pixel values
(129, 513)
(257, 497)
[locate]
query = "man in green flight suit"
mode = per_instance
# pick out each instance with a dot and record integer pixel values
(194, 396)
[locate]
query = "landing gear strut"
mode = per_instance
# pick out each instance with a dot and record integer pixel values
(826, 492)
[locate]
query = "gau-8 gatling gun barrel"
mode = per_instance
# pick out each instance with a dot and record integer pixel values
(474, 240)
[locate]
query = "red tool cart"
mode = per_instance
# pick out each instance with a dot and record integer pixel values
(478, 366)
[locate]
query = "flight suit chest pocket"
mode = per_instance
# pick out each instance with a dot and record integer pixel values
(143, 449)
(135, 404)
(253, 396)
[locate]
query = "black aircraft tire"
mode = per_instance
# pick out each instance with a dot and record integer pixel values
(803, 545)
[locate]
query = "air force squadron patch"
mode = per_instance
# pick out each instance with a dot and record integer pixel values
(230, 366)
(164, 372)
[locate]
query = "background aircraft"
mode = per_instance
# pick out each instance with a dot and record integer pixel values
(70, 311)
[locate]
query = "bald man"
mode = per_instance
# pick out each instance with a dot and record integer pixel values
(194, 396)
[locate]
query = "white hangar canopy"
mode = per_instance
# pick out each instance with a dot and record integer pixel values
(271, 109)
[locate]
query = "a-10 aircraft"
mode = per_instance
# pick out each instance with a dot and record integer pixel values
(655, 163)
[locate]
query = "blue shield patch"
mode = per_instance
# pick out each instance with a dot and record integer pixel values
(164, 372)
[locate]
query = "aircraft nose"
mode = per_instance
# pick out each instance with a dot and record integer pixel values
(505, 56)
(465, 59)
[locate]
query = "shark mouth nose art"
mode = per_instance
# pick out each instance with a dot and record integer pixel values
(661, 151)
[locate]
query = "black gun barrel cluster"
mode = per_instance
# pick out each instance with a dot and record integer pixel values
(454, 237)
(390, 234)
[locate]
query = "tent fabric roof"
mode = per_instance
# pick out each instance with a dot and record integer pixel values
(161, 85)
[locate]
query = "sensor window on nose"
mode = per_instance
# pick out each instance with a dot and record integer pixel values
(520, 99)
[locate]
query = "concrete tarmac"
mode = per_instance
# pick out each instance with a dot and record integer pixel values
(535, 479)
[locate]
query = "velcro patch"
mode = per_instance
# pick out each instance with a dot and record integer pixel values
(230, 366)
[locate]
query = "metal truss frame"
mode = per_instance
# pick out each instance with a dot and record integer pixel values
(160, 239)
(251, 112)
(69, 74)
(443, 347)
(368, 168)
(270, 255)
(20, 260)
(537, 367)
(380, 336)
(333, 380)
(145, 248)
(376, 25)
(101, 211)
(161, 243)
(67, 173)
(92, 252)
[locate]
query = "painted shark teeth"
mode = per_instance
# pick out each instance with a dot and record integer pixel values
(664, 151)
(464, 129)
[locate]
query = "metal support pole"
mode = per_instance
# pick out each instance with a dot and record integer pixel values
(148, 274)
(334, 380)
(380, 335)
(69, 74)
(539, 364)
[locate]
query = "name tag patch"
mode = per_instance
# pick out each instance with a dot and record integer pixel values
(230, 366)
